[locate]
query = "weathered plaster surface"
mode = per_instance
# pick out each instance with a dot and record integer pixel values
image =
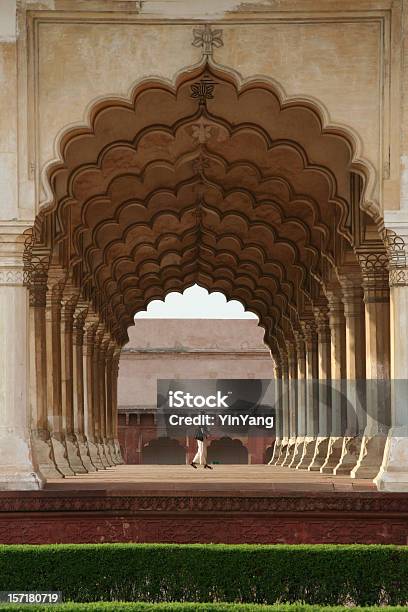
(8, 21)
(107, 61)
(8, 131)
(338, 65)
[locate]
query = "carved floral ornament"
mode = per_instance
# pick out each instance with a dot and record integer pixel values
(208, 39)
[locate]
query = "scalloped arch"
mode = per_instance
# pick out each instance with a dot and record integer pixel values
(246, 187)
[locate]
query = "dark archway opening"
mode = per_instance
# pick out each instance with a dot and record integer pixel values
(227, 451)
(164, 451)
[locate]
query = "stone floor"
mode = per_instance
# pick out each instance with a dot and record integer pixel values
(223, 478)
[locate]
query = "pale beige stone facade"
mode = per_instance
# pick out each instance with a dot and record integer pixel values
(333, 76)
(188, 349)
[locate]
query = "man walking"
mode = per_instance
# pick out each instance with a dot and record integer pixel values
(200, 457)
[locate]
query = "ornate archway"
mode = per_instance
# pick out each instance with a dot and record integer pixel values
(228, 186)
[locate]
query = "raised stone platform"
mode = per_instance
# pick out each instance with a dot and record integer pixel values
(230, 504)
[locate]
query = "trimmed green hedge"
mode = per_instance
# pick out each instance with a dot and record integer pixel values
(315, 574)
(193, 607)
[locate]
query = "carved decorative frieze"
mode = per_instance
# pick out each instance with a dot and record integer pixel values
(339, 504)
(11, 276)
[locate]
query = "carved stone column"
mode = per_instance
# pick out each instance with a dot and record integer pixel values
(110, 440)
(312, 398)
(43, 453)
(16, 467)
(301, 399)
(377, 319)
(355, 369)
(103, 383)
(292, 363)
(338, 374)
(69, 301)
(98, 393)
(324, 356)
(57, 424)
(278, 413)
(91, 325)
(285, 408)
(115, 376)
(79, 386)
(393, 475)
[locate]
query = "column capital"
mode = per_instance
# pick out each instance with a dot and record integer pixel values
(300, 344)
(69, 301)
(374, 269)
(396, 243)
(284, 361)
(90, 328)
(322, 323)
(81, 311)
(353, 294)
(110, 351)
(37, 284)
(309, 328)
(334, 298)
(56, 282)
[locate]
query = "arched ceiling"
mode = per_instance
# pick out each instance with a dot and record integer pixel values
(203, 183)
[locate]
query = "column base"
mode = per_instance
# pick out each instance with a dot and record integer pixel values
(320, 454)
(333, 455)
(371, 457)
(94, 455)
(74, 457)
(289, 453)
(308, 454)
(276, 451)
(20, 481)
(43, 454)
(112, 451)
(298, 452)
(17, 472)
(393, 475)
(61, 454)
(102, 456)
(84, 453)
(108, 454)
(118, 452)
(283, 451)
(349, 456)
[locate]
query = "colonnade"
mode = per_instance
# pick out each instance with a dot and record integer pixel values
(333, 383)
(73, 379)
(59, 358)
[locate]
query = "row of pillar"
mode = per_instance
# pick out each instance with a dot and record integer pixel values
(73, 381)
(320, 423)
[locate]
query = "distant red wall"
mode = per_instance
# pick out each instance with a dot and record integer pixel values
(136, 431)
